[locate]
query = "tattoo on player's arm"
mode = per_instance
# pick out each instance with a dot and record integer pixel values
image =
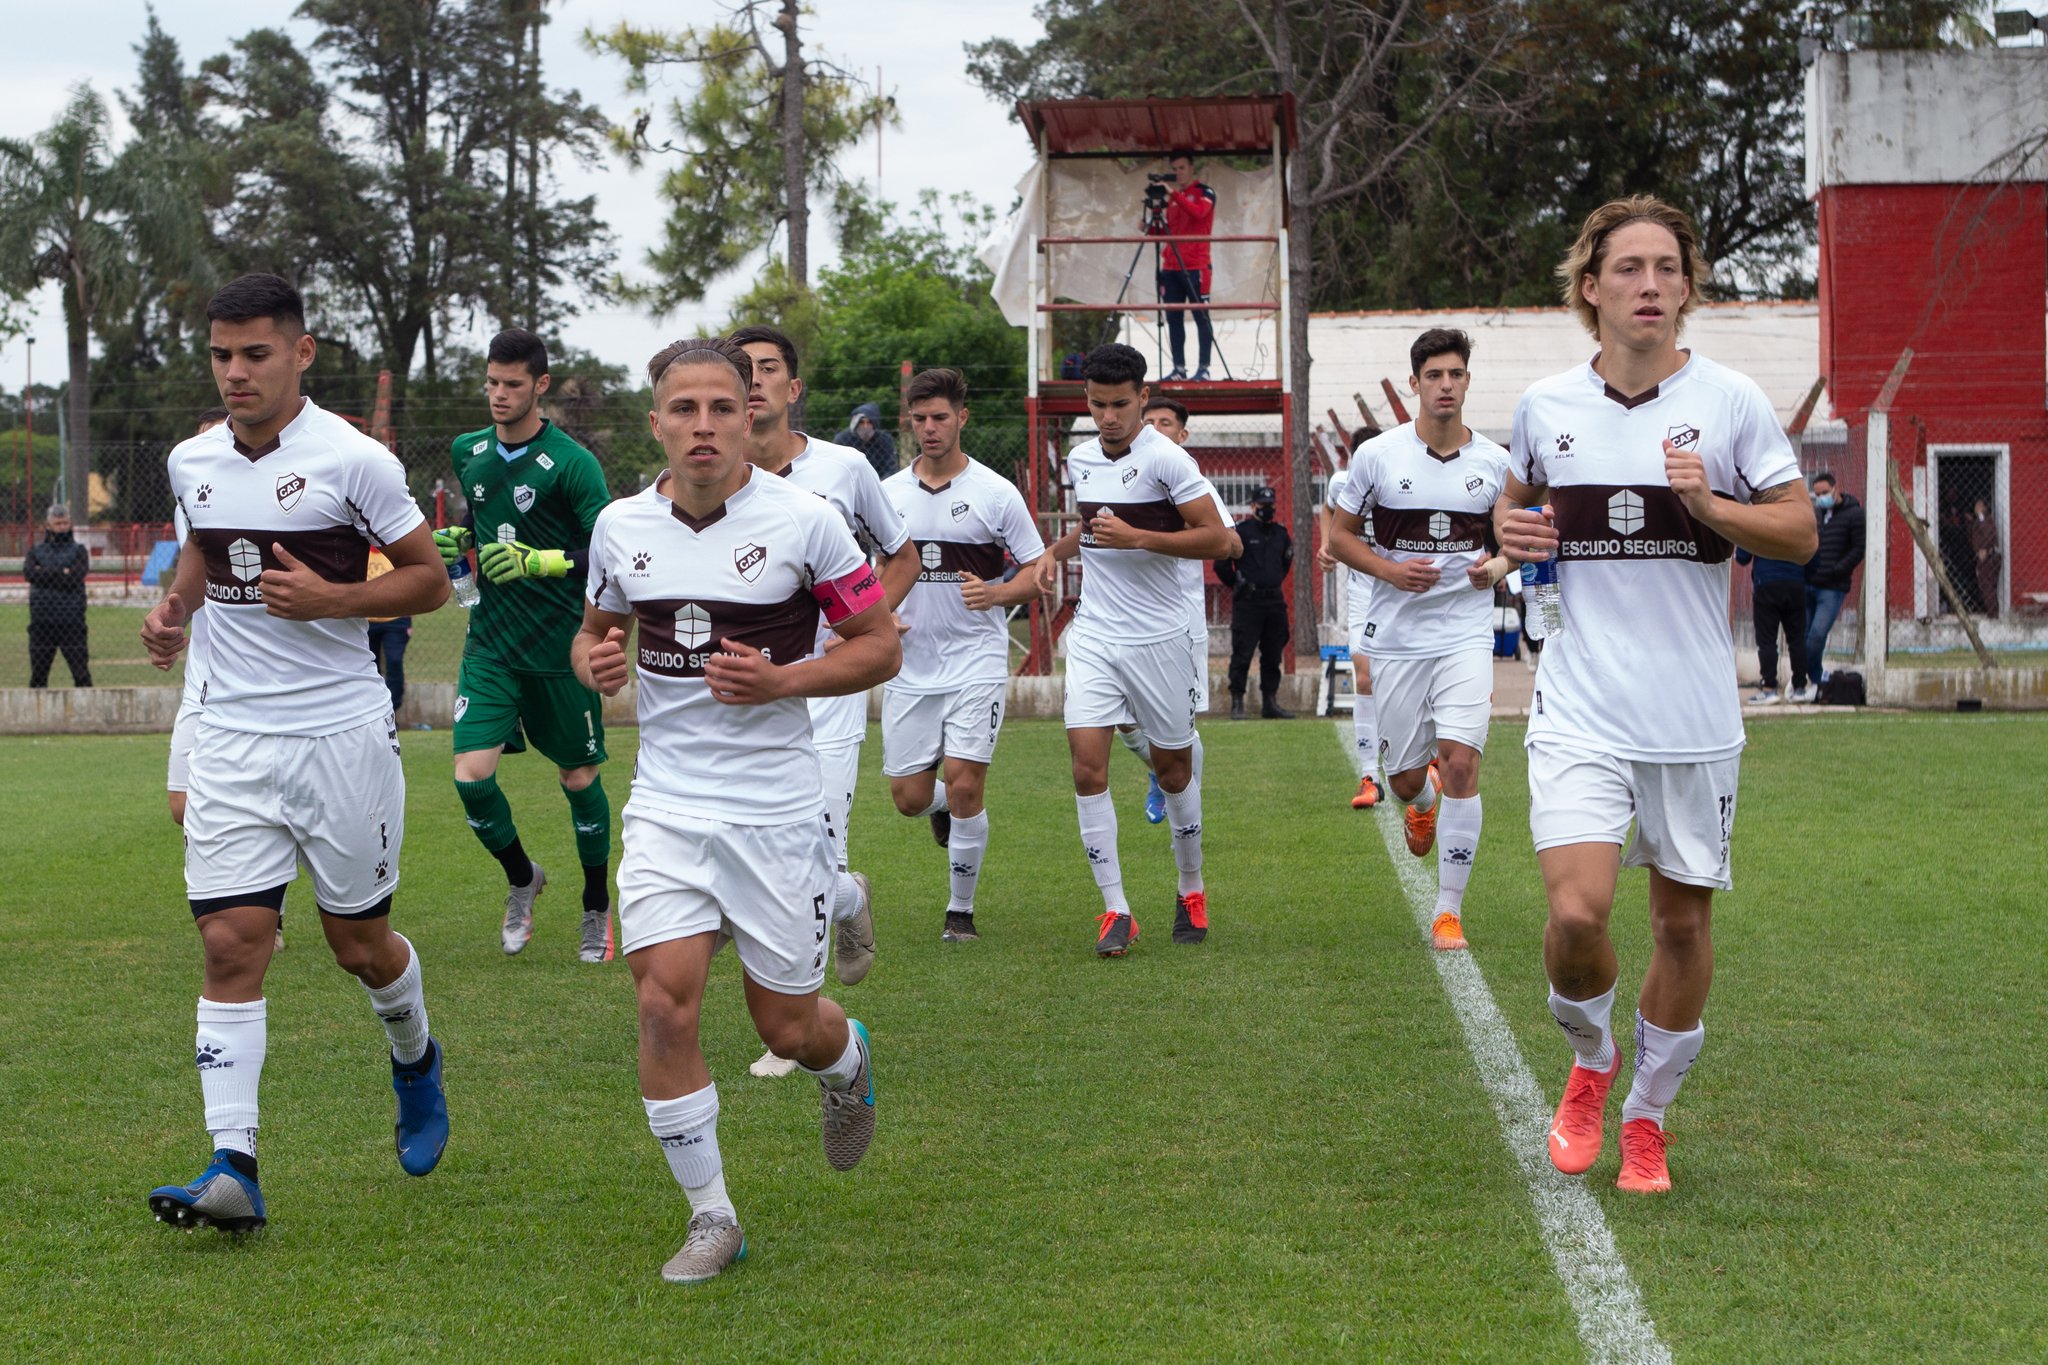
(1779, 492)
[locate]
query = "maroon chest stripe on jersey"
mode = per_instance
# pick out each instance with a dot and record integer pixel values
(234, 559)
(1408, 530)
(677, 634)
(983, 559)
(1633, 521)
(1161, 515)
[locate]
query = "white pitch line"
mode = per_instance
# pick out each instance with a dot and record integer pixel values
(1612, 1321)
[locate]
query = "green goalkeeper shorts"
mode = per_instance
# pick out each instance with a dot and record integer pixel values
(563, 718)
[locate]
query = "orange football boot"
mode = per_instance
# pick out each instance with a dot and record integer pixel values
(1643, 1169)
(1368, 794)
(1576, 1131)
(1115, 933)
(1422, 828)
(1446, 933)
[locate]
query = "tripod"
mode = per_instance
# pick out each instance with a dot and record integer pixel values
(1153, 225)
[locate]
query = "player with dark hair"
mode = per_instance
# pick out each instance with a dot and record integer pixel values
(726, 571)
(1429, 487)
(1147, 520)
(529, 484)
(296, 754)
(839, 723)
(946, 706)
(1653, 463)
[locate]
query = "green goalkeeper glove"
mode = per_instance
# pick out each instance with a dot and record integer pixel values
(453, 542)
(504, 563)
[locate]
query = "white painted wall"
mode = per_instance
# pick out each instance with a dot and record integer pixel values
(1926, 118)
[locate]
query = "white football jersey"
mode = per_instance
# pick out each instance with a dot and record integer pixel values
(1136, 596)
(197, 632)
(757, 570)
(843, 477)
(325, 492)
(1645, 667)
(965, 525)
(1426, 506)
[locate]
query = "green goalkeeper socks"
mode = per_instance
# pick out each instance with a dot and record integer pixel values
(490, 814)
(593, 817)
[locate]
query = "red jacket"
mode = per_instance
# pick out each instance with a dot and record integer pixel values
(1190, 211)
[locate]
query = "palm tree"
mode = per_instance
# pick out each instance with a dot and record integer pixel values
(73, 211)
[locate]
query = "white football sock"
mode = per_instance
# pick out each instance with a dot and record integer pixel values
(402, 1006)
(687, 1129)
(1585, 1025)
(840, 1074)
(1184, 818)
(231, 1043)
(1662, 1059)
(964, 848)
(1134, 740)
(939, 801)
(1457, 843)
(1365, 732)
(845, 896)
(1195, 761)
(1425, 800)
(1098, 841)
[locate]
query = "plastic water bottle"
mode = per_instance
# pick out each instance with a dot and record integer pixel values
(1542, 600)
(466, 594)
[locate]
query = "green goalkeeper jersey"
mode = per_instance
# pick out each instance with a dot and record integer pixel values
(547, 498)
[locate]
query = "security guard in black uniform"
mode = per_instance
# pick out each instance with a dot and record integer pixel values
(1258, 612)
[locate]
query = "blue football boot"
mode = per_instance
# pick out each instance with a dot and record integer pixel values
(1155, 801)
(422, 1127)
(223, 1197)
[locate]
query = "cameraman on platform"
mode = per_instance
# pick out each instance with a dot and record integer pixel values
(1190, 211)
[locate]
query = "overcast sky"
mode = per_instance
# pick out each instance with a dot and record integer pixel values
(952, 136)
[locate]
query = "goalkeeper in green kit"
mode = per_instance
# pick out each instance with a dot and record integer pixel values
(533, 496)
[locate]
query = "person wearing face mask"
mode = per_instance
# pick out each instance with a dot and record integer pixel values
(1258, 610)
(55, 571)
(1839, 519)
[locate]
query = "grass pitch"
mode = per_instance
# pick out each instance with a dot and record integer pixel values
(1271, 1145)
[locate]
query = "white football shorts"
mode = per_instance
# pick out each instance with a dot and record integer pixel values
(1422, 701)
(182, 730)
(1160, 684)
(769, 886)
(1684, 813)
(257, 804)
(919, 730)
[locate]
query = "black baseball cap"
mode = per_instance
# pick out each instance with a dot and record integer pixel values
(1264, 493)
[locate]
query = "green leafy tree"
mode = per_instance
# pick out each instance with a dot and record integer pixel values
(744, 151)
(75, 212)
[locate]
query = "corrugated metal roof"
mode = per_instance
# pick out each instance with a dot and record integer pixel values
(1242, 123)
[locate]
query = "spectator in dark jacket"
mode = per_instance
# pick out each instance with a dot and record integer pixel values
(1777, 598)
(1828, 573)
(55, 571)
(864, 433)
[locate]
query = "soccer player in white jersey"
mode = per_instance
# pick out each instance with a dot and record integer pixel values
(1430, 486)
(843, 477)
(296, 754)
(1147, 522)
(727, 571)
(1365, 722)
(946, 706)
(1653, 463)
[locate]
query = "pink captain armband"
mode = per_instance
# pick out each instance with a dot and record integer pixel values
(849, 596)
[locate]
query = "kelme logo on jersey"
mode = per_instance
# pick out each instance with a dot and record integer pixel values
(1564, 443)
(205, 492)
(958, 509)
(245, 561)
(522, 497)
(1439, 526)
(476, 490)
(639, 569)
(1685, 436)
(748, 559)
(693, 626)
(290, 488)
(1407, 485)
(1625, 512)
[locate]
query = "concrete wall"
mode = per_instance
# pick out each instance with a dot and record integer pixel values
(1925, 118)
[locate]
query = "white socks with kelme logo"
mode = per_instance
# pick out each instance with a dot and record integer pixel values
(1098, 841)
(1662, 1059)
(231, 1043)
(964, 847)
(1365, 733)
(402, 1006)
(1457, 842)
(1585, 1025)
(687, 1129)
(1184, 818)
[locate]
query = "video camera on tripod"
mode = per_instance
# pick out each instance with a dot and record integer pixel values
(1156, 195)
